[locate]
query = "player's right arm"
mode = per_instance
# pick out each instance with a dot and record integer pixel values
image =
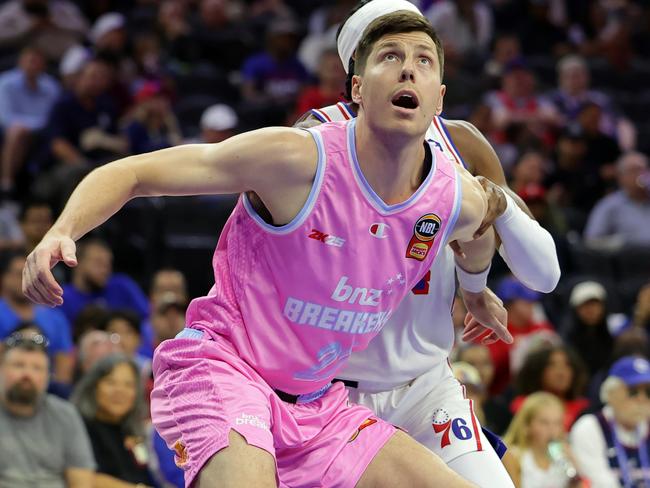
(278, 164)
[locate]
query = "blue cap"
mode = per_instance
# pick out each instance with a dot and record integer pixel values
(633, 370)
(510, 289)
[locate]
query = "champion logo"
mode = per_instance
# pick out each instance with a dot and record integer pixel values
(380, 231)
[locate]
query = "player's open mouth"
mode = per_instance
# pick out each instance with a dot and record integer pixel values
(405, 99)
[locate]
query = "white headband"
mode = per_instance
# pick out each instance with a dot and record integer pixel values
(355, 26)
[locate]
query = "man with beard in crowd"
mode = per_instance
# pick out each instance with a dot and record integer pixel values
(42, 439)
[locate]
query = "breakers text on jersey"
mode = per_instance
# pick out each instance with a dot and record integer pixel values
(338, 319)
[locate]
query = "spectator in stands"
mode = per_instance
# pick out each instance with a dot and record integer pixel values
(586, 329)
(624, 216)
(530, 169)
(218, 123)
(506, 48)
(44, 442)
(15, 308)
(519, 114)
(497, 414)
(329, 90)
(93, 281)
(464, 26)
(527, 329)
(94, 345)
(641, 313)
(273, 78)
(126, 325)
(545, 212)
(574, 93)
(109, 398)
(27, 95)
(35, 218)
(175, 32)
(536, 438)
(51, 25)
(468, 376)
(558, 370)
(169, 298)
(71, 65)
(612, 445)
(153, 125)
(539, 32)
(83, 123)
(223, 40)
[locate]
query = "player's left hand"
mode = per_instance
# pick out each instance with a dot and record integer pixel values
(486, 320)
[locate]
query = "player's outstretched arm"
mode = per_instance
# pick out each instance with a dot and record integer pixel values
(527, 248)
(276, 163)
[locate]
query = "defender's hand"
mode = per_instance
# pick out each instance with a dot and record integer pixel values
(496, 204)
(486, 318)
(39, 284)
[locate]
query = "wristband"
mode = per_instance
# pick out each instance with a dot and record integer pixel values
(472, 282)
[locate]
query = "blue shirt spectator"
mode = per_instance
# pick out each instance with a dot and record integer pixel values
(93, 282)
(24, 104)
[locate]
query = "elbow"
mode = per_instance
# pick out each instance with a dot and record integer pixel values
(545, 278)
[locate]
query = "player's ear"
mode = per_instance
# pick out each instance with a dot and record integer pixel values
(357, 81)
(443, 90)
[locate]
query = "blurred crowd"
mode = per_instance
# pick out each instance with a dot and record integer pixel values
(559, 87)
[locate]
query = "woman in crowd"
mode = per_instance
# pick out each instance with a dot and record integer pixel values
(557, 370)
(537, 440)
(109, 398)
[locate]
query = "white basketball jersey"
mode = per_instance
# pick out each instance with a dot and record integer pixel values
(420, 333)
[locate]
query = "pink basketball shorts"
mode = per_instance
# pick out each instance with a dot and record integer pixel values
(203, 389)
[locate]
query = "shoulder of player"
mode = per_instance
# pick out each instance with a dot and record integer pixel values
(476, 151)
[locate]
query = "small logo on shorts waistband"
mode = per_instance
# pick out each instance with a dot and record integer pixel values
(366, 423)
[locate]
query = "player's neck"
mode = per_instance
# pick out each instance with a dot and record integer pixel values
(394, 169)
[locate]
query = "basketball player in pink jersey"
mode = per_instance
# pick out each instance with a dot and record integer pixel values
(404, 375)
(244, 395)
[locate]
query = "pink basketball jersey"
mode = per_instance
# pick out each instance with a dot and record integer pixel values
(296, 300)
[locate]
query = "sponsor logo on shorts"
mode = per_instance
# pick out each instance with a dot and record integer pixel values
(252, 420)
(328, 239)
(443, 423)
(424, 230)
(181, 453)
(366, 423)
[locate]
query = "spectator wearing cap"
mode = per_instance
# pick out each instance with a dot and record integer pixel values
(72, 62)
(27, 94)
(525, 325)
(272, 79)
(588, 328)
(43, 441)
(218, 123)
(612, 446)
(623, 217)
(154, 125)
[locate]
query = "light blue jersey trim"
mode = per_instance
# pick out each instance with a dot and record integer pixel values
(455, 211)
(374, 199)
(451, 141)
(306, 209)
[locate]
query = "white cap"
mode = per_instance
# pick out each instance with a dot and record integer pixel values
(73, 60)
(585, 291)
(353, 29)
(105, 24)
(219, 117)
(466, 374)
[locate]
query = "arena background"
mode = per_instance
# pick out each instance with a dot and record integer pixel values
(560, 88)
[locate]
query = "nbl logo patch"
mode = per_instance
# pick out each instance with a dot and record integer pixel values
(442, 423)
(424, 231)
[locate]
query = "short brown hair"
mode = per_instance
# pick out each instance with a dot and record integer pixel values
(395, 23)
